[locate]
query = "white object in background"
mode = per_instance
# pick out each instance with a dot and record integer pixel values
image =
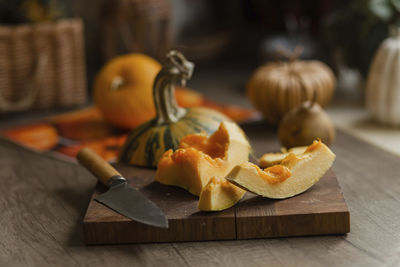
(383, 83)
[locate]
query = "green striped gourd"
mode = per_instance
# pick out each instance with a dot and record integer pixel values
(147, 143)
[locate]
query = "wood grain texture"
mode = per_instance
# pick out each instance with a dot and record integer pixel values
(320, 210)
(43, 201)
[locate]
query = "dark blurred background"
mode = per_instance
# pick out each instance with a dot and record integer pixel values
(242, 34)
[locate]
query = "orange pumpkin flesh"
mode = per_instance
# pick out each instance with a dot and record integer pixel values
(123, 90)
(199, 158)
(294, 174)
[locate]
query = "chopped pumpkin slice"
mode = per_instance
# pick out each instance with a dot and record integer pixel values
(271, 159)
(219, 194)
(200, 157)
(294, 175)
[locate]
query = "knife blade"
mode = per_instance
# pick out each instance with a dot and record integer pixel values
(120, 196)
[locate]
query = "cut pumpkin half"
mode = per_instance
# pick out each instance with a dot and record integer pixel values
(199, 158)
(294, 175)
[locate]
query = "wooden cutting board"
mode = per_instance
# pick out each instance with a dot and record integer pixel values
(321, 210)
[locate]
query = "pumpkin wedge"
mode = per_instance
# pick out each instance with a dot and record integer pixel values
(271, 159)
(219, 194)
(199, 158)
(294, 175)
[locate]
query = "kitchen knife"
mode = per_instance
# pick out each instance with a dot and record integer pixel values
(120, 196)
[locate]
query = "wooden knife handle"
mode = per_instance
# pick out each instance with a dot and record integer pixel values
(97, 165)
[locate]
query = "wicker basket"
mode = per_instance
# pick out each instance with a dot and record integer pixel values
(42, 65)
(136, 26)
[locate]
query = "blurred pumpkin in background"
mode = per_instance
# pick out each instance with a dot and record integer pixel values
(383, 83)
(277, 87)
(304, 124)
(123, 91)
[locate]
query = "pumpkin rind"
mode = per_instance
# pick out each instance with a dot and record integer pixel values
(275, 88)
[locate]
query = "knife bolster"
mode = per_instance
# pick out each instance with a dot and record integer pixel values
(116, 179)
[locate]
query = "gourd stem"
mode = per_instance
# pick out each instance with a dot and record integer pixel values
(177, 70)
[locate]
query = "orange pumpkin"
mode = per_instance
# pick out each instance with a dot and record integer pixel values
(123, 90)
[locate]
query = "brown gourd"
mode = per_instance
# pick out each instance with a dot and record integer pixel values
(304, 124)
(277, 87)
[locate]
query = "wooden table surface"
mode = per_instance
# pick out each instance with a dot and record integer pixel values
(43, 200)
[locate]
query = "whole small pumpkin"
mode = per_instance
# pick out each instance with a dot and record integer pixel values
(277, 87)
(123, 90)
(147, 143)
(383, 83)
